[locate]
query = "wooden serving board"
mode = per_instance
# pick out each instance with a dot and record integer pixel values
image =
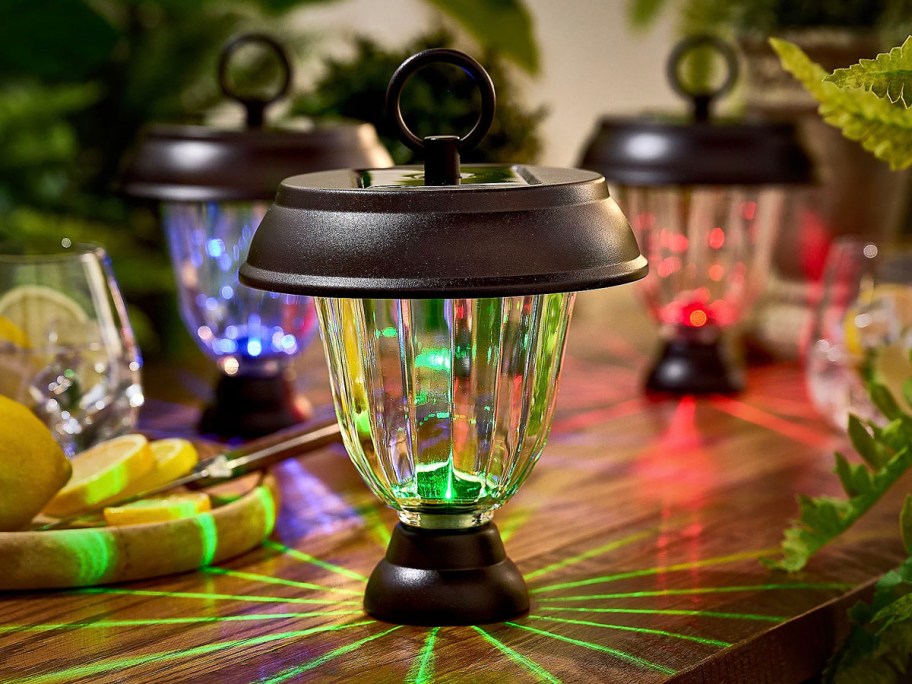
(91, 556)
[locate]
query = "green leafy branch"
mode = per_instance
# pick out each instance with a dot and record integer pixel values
(886, 453)
(860, 100)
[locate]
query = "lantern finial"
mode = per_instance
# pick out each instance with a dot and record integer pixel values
(441, 165)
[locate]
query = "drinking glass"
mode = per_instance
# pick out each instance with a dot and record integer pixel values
(863, 326)
(66, 347)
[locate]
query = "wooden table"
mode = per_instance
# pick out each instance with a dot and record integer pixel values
(639, 534)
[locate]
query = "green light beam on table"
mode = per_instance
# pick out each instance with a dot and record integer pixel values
(422, 669)
(215, 597)
(621, 655)
(99, 624)
(699, 590)
(719, 560)
(671, 611)
(573, 560)
(307, 558)
(513, 522)
(72, 673)
(516, 657)
(269, 579)
(326, 657)
(638, 630)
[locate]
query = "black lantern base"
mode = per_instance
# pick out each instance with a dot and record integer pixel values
(252, 406)
(689, 366)
(446, 577)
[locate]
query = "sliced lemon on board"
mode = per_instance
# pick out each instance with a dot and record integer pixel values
(101, 473)
(32, 465)
(174, 458)
(162, 509)
(37, 310)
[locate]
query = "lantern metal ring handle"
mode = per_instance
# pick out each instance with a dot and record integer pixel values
(255, 106)
(702, 100)
(446, 56)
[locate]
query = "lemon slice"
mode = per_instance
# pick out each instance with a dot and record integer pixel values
(891, 367)
(101, 473)
(174, 458)
(12, 334)
(164, 509)
(37, 310)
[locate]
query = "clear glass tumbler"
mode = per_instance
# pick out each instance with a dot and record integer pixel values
(862, 327)
(67, 350)
(445, 404)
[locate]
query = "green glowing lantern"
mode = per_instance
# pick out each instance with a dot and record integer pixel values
(444, 295)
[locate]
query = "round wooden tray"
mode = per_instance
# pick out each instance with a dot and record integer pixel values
(90, 556)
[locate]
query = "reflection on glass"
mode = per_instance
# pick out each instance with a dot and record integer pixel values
(445, 404)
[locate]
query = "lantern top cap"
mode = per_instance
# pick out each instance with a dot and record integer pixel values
(179, 163)
(442, 231)
(659, 151)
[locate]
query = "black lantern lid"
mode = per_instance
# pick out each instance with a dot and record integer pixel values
(200, 164)
(701, 151)
(444, 230)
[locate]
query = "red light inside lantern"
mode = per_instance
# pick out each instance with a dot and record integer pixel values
(697, 318)
(716, 238)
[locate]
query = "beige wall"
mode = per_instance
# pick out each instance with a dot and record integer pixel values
(593, 63)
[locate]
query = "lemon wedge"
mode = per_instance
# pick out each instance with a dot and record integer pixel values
(891, 367)
(36, 310)
(32, 465)
(174, 458)
(10, 333)
(162, 509)
(101, 473)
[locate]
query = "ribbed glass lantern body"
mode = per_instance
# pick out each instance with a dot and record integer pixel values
(709, 248)
(445, 404)
(243, 329)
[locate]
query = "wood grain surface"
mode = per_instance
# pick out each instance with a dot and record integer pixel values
(640, 535)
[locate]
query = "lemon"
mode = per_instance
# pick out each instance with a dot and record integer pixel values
(894, 301)
(101, 473)
(162, 509)
(32, 465)
(12, 334)
(37, 310)
(174, 458)
(891, 367)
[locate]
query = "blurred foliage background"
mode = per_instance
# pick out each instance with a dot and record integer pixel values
(80, 78)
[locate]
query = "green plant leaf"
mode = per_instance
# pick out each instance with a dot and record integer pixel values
(865, 444)
(879, 646)
(53, 39)
(882, 128)
(642, 13)
(822, 519)
(905, 524)
(503, 26)
(888, 75)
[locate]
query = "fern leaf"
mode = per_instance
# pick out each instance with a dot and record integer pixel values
(888, 75)
(882, 128)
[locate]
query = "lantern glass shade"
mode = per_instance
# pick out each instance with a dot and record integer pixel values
(246, 331)
(445, 404)
(710, 249)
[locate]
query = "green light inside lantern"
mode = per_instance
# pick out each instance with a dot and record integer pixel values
(445, 404)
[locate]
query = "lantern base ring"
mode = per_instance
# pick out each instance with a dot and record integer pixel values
(446, 577)
(691, 366)
(253, 405)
